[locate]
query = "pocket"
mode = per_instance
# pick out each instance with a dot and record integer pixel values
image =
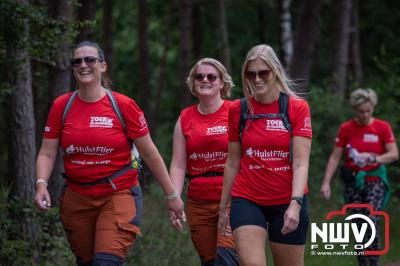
(137, 194)
(347, 175)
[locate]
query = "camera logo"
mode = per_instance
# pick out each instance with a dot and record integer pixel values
(335, 235)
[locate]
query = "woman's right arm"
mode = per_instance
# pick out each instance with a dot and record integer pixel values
(44, 167)
(177, 169)
(231, 169)
(333, 163)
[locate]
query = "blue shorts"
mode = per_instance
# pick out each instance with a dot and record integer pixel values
(246, 212)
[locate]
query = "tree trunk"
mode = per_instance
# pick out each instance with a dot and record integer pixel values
(184, 47)
(144, 59)
(60, 82)
(197, 39)
(286, 37)
(356, 64)
(86, 12)
(22, 121)
(108, 34)
(262, 21)
(341, 51)
(224, 48)
(307, 31)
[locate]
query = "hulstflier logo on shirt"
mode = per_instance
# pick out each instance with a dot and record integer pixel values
(101, 121)
(89, 150)
(47, 129)
(217, 130)
(273, 155)
(217, 155)
(371, 138)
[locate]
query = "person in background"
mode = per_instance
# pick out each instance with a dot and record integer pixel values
(267, 167)
(100, 206)
(200, 146)
(368, 144)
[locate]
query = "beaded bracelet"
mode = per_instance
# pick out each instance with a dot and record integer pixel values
(172, 196)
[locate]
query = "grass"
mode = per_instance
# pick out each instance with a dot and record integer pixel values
(161, 245)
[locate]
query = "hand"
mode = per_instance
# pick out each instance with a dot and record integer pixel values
(223, 220)
(291, 218)
(176, 222)
(42, 198)
(326, 191)
(370, 158)
(175, 206)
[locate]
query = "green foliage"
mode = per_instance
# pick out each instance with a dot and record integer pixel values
(47, 243)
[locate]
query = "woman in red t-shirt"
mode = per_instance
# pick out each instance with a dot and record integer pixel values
(101, 205)
(267, 188)
(200, 147)
(368, 143)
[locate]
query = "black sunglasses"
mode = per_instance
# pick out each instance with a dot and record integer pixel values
(90, 60)
(200, 77)
(262, 74)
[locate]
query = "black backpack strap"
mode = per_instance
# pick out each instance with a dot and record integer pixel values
(67, 107)
(284, 112)
(243, 113)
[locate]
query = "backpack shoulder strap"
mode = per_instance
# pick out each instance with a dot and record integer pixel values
(67, 107)
(243, 112)
(284, 111)
(116, 108)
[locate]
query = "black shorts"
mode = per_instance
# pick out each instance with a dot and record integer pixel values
(246, 212)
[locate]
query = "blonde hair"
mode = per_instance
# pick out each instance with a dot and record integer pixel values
(267, 54)
(222, 72)
(361, 96)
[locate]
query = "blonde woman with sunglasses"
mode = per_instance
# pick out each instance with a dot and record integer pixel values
(100, 206)
(200, 146)
(267, 167)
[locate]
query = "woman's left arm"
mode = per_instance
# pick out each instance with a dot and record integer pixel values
(301, 156)
(391, 154)
(153, 160)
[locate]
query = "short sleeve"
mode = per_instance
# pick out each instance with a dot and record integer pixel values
(300, 118)
(52, 129)
(233, 118)
(136, 125)
(388, 136)
(341, 137)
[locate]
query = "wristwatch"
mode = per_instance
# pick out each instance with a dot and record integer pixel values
(298, 199)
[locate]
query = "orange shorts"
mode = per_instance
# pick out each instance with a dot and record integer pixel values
(104, 224)
(203, 223)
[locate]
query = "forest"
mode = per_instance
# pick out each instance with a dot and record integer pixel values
(328, 47)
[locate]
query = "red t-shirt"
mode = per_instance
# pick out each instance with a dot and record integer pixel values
(94, 140)
(365, 138)
(265, 175)
(207, 149)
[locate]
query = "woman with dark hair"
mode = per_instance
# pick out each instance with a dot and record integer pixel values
(101, 204)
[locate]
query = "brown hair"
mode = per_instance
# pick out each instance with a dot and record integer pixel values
(105, 79)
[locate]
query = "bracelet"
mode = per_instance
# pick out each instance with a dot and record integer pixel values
(172, 196)
(40, 180)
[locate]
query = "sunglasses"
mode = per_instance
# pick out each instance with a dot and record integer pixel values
(252, 75)
(89, 60)
(200, 77)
